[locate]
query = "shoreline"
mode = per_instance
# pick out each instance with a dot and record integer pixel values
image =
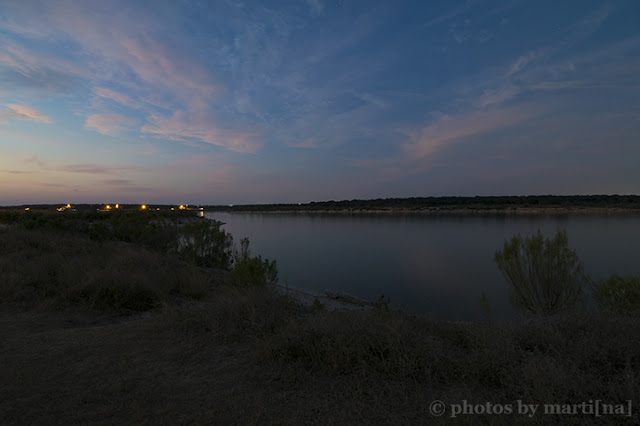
(331, 300)
(455, 211)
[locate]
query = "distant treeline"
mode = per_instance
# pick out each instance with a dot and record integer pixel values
(426, 203)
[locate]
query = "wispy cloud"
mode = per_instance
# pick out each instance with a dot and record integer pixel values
(182, 126)
(37, 69)
(107, 124)
(117, 97)
(34, 159)
(91, 169)
(497, 95)
(455, 12)
(522, 62)
(450, 129)
(85, 168)
(17, 172)
(119, 182)
(23, 112)
(307, 143)
(127, 185)
(369, 98)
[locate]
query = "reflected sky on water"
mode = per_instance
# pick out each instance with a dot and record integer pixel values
(426, 264)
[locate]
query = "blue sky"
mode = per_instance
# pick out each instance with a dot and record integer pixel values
(222, 102)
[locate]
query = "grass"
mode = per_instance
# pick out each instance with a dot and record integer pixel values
(200, 350)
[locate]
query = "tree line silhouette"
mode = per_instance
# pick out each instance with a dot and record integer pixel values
(425, 203)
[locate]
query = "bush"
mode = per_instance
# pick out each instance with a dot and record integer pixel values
(618, 294)
(544, 275)
(252, 271)
(204, 243)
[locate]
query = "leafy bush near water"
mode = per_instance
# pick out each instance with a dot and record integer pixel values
(204, 243)
(544, 275)
(252, 271)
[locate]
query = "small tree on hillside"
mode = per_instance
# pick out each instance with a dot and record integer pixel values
(544, 275)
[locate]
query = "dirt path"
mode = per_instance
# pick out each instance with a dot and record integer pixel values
(73, 368)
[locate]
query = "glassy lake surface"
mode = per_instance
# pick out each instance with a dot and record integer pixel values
(425, 264)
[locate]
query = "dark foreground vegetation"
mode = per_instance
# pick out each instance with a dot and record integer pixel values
(457, 204)
(143, 317)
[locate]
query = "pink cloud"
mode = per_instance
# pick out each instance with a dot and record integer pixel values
(23, 112)
(107, 124)
(156, 64)
(307, 143)
(182, 126)
(27, 63)
(117, 97)
(450, 129)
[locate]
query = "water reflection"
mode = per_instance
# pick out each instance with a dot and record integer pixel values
(439, 265)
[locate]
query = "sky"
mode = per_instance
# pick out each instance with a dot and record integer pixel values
(220, 102)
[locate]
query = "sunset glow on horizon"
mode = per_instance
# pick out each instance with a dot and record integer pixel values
(158, 102)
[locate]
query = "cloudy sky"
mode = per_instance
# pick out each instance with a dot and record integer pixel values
(222, 102)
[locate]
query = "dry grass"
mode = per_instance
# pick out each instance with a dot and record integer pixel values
(217, 362)
(250, 355)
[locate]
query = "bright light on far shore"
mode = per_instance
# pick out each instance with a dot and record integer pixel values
(143, 207)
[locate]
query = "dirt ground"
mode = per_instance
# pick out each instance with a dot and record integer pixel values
(89, 368)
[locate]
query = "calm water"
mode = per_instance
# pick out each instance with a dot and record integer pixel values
(437, 265)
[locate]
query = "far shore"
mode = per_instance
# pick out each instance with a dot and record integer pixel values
(455, 211)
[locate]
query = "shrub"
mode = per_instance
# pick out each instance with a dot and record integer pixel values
(544, 275)
(618, 294)
(252, 271)
(204, 243)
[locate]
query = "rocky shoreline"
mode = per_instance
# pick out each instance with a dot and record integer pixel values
(330, 300)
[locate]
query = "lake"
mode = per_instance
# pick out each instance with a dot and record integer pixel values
(438, 265)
